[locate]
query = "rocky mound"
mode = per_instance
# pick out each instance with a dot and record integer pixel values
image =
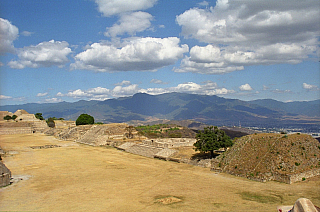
(266, 157)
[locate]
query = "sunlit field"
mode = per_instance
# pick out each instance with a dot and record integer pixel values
(76, 177)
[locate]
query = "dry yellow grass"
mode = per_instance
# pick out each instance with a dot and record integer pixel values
(77, 177)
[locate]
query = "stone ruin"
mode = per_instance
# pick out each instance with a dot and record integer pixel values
(63, 124)
(170, 142)
(157, 148)
(5, 175)
(25, 123)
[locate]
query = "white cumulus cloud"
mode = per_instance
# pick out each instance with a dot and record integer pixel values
(8, 33)
(27, 33)
(114, 7)
(157, 81)
(42, 94)
(125, 88)
(45, 54)
(5, 97)
(135, 54)
(205, 88)
(53, 100)
(245, 87)
(310, 87)
(124, 82)
(240, 33)
(131, 24)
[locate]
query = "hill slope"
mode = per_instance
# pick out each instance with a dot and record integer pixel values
(311, 108)
(268, 156)
(211, 110)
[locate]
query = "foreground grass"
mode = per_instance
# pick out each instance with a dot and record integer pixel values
(76, 177)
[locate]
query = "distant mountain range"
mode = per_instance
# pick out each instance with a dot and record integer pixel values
(211, 110)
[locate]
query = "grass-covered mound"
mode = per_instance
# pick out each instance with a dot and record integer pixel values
(267, 156)
(165, 131)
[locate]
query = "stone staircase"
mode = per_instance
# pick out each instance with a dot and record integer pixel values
(99, 135)
(91, 135)
(39, 126)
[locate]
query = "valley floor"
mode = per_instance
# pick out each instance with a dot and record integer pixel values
(68, 176)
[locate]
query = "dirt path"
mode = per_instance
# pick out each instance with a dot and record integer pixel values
(76, 177)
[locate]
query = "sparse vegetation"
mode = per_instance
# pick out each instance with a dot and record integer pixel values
(259, 197)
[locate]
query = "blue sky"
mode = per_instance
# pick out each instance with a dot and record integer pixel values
(53, 51)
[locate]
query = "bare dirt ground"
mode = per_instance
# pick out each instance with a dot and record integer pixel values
(75, 177)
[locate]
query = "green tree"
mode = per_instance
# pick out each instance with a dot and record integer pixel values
(84, 119)
(14, 117)
(39, 116)
(210, 139)
(7, 117)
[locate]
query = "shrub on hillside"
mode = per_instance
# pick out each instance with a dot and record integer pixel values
(39, 116)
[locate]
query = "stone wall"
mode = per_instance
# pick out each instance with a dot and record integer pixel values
(170, 142)
(5, 175)
(64, 124)
(26, 117)
(22, 127)
(205, 163)
(305, 175)
(16, 130)
(284, 178)
(39, 125)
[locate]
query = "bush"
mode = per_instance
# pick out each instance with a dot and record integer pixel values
(39, 116)
(7, 117)
(84, 119)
